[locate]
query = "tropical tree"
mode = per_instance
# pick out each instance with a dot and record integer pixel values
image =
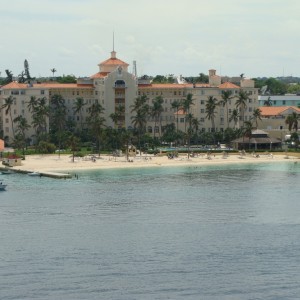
(292, 121)
(256, 116)
(241, 103)
(22, 127)
(156, 111)
(268, 102)
(53, 70)
(73, 142)
(234, 117)
(96, 122)
(247, 130)
(176, 104)
(139, 120)
(78, 106)
(58, 118)
(295, 139)
(210, 109)
(7, 106)
(226, 97)
(186, 106)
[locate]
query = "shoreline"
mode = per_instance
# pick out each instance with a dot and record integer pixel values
(64, 163)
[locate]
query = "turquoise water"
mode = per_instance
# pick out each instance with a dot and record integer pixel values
(218, 232)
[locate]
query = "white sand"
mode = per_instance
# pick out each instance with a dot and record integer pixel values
(54, 163)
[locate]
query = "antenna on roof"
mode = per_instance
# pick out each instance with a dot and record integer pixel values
(113, 41)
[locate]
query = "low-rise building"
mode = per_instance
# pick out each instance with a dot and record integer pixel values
(273, 120)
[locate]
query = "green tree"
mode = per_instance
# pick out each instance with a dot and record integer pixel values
(256, 116)
(210, 109)
(7, 106)
(58, 118)
(156, 111)
(234, 117)
(176, 104)
(78, 107)
(247, 130)
(96, 122)
(22, 127)
(268, 102)
(241, 104)
(73, 142)
(292, 121)
(226, 97)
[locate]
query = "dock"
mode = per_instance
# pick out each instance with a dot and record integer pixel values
(55, 175)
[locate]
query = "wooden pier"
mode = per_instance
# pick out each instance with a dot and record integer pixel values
(55, 175)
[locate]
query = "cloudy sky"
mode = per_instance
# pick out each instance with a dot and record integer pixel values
(188, 37)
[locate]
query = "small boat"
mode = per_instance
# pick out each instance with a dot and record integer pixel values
(6, 172)
(2, 186)
(34, 174)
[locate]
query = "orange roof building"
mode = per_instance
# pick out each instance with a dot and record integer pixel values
(113, 86)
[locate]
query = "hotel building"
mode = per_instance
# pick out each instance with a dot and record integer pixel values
(113, 85)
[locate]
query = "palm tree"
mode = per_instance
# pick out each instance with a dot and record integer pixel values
(257, 116)
(292, 121)
(210, 110)
(58, 117)
(268, 102)
(22, 126)
(226, 97)
(96, 122)
(73, 142)
(79, 104)
(234, 117)
(247, 130)
(176, 104)
(8, 103)
(53, 70)
(139, 120)
(241, 103)
(186, 105)
(156, 111)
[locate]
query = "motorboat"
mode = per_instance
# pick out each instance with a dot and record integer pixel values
(34, 174)
(6, 172)
(2, 186)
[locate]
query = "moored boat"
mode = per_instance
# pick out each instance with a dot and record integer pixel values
(2, 186)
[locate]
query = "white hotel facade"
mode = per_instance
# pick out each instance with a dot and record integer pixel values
(114, 85)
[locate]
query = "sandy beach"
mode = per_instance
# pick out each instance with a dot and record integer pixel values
(54, 163)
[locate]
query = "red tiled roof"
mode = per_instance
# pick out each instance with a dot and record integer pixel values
(99, 75)
(14, 85)
(228, 85)
(114, 62)
(276, 110)
(165, 85)
(46, 85)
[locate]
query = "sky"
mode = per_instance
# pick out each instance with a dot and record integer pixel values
(188, 37)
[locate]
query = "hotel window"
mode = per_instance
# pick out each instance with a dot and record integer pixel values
(283, 102)
(202, 111)
(175, 93)
(77, 93)
(42, 92)
(6, 120)
(202, 92)
(202, 102)
(6, 129)
(15, 111)
(23, 112)
(202, 120)
(181, 120)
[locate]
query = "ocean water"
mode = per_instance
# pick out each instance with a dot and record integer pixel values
(218, 232)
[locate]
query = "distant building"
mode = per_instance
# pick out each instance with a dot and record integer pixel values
(259, 140)
(273, 120)
(279, 100)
